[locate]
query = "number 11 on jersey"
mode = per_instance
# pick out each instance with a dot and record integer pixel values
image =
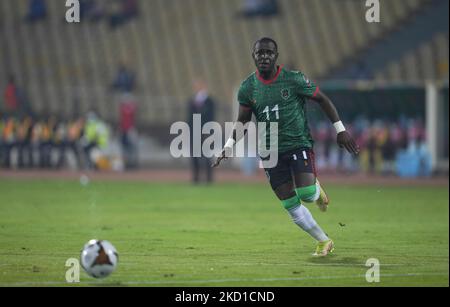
(276, 110)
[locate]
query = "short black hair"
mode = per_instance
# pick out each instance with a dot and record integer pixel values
(266, 40)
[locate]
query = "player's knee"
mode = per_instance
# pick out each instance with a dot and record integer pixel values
(307, 194)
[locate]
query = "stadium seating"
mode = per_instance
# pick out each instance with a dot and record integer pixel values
(69, 67)
(429, 62)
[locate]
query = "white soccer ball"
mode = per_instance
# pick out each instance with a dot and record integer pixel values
(99, 258)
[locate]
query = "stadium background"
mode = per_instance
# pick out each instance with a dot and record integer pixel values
(389, 80)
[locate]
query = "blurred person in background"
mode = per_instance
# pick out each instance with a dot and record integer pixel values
(373, 151)
(128, 133)
(204, 105)
(16, 101)
(24, 145)
(95, 140)
(388, 151)
(37, 10)
(123, 11)
(2, 126)
(59, 141)
(8, 140)
(415, 160)
(91, 10)
(264, 8)
(124, 81)
(417, 147)
(71, 141)
(382, 134)
(12, 97)
(46, 141)
(399, 137)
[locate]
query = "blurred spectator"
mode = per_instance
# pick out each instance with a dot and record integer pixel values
(201, 103)
(416, 159)
(16, 103)
(254, 8)
(124, 11)
(59, 141)
(399, 137)
(46, 141)
(25, 149)
(125, 80)
(37, 10)
(91, 10)
(8, 140)
(71, 139)
(128, 134)
(388, 150)
(387, 147)
(2, 126)
(95, 141)
(12, 101)
(424, 155)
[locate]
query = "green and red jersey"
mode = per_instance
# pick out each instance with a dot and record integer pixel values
(282, 100)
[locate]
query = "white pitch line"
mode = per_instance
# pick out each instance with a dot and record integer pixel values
(217, 265)
(309, 264)
(215, 281)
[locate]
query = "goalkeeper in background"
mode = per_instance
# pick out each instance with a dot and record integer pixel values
(274, 94)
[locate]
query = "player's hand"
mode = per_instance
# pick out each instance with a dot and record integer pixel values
(345, 140)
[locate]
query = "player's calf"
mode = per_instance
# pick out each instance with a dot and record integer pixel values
(303, 218)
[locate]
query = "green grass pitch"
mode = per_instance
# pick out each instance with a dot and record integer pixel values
(223, 235)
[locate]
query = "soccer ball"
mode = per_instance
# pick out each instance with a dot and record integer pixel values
(99, 258)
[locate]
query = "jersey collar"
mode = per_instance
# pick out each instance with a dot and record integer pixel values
(267, 82)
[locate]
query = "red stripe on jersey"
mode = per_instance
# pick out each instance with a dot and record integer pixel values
(316, 92)
(267, 82)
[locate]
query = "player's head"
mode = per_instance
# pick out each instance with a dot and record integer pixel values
(265, 54)
(199, 85)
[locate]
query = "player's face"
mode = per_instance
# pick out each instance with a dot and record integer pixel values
(265, 55)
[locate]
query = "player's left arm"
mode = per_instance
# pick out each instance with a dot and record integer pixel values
(344, 139)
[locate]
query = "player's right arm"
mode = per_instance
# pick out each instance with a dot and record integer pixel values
(244, 116)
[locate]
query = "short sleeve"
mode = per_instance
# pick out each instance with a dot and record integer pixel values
(243, 96)
(305, 87)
